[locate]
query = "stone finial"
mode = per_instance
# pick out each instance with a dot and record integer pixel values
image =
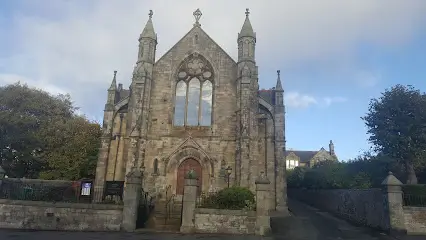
(197, 14)
(247, 12)
(391, 180)
(262, 179)
(150, 13)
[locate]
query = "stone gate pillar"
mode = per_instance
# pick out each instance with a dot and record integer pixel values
(189, 203)
(393, 201)
(263, 205)
(131, 196)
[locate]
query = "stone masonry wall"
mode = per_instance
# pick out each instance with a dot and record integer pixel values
(415, 220)
(224, 221)
(364, 207)
(59, 216)
(217, 141)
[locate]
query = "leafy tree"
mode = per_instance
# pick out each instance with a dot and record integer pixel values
(71, 149)
(41, 136)
(397, 126)
(23, 112)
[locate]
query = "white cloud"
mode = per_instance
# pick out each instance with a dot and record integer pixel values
(297, 100)
(330, 100)
(76, 45)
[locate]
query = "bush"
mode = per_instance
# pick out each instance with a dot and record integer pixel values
(235, 198)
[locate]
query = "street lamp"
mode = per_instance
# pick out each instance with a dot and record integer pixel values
(228, 173)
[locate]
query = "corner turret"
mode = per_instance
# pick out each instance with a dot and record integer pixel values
(246, 41)
(148, 42)
(112, 94)
(279, 91)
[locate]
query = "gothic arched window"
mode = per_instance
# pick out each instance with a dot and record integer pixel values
(194, 93)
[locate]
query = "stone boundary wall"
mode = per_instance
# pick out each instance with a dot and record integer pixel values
(224, 221)
(37, 215)
(360, 206)
(415, 220)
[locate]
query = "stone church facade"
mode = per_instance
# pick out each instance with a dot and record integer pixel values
(194, 108)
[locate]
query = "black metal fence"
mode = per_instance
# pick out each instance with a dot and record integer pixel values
(414, 195)
(414, 200)
(49, 191)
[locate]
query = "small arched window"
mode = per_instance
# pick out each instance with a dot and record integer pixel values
(194, 93)
(155, 166)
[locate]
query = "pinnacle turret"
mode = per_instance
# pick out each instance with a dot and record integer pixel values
(148, 31)
(247, 29)
(114, 82)
(279, 86)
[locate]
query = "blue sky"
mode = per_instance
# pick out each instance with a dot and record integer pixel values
(334, 55)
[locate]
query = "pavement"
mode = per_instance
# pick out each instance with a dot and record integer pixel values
(308, 223)
(305, 223)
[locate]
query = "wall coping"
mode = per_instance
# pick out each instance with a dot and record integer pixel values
(412, 208)
(62, 204)
(225, 212)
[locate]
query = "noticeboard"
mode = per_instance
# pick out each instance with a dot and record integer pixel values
(86, 190)
(114, 188)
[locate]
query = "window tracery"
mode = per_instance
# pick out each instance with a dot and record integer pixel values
(194, 93)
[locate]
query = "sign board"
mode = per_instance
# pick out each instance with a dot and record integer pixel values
(114, 188)
(86, 191)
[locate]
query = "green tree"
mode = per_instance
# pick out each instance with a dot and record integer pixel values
(23, 112)
(42, 136)
(71, 149)
(397, 126)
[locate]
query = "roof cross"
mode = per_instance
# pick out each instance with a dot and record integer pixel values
(247, 12)
(197, 14)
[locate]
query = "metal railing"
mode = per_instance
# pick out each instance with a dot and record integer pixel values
(49, 191)
(414, 200)
(169, 206)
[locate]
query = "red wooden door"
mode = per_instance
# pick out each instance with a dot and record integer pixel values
(183, 170)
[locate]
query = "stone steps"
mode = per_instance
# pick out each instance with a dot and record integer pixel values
(163, 221)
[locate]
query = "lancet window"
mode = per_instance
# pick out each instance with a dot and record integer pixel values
(194, 93)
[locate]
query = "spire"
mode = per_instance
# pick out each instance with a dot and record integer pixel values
(247, 29)
(148, 31)
(114, 82)
(279, 86)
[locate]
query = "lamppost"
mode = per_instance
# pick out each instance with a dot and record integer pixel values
(228, 173)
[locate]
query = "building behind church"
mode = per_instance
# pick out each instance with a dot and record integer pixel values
(194, 108)
(297, 158)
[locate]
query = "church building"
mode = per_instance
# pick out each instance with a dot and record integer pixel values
(196, 108)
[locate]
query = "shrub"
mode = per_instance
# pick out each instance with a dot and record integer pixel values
(235, 198)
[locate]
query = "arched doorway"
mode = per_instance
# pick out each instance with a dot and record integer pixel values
(183, 169)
